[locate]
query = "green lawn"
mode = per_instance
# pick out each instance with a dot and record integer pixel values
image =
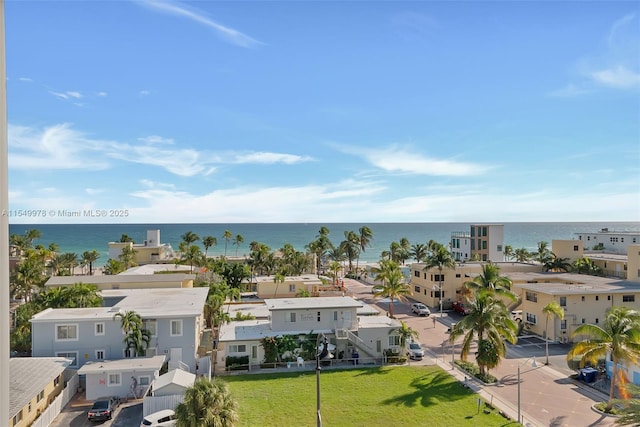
(387, 396)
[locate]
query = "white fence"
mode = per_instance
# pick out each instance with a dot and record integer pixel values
(54, 409)
(151, 404)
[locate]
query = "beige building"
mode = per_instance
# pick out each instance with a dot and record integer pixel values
(611, 264)
(425, 283)
(126, 281)
(268, 287)
(148, 252)
(584, 299)
(34, 384)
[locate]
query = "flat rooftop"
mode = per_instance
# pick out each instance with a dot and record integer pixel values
(119, 278)
(311, 303)
(128, 364)
(148, 303)
(570, 284)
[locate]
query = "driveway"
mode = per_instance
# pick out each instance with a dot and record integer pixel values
(128, 414)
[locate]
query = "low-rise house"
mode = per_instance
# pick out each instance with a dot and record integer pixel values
(124, 378)
(148, 252)
(335, 317)
(174, 318)
(269, 287)
(34, 383)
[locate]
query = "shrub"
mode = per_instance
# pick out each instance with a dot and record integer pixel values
(473, 370)
(235, 363)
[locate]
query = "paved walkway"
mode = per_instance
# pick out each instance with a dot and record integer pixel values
(548, 397)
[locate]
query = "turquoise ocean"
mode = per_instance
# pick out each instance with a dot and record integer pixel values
(82, 237)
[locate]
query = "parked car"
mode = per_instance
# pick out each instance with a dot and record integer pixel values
(415, 351)
(164, 418)
(459, 307)
(420, 309)
(103, 408)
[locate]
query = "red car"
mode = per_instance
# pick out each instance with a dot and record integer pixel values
(460, 308)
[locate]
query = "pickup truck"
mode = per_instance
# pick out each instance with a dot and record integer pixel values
(459, 307)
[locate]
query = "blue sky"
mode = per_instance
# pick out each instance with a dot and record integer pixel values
(324, 111)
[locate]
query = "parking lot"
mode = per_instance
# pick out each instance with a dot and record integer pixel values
(128, 414)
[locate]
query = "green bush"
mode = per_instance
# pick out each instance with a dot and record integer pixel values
(237, 363)
(473, 370)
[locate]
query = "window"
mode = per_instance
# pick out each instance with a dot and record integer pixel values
(292, 317)
(99, 328)
(416, 289)
(176, 328)
(100, 354)
(628, 298)
(575, 248)
(584, 320)
(532, 318)
(114, 380)
(484, 257)
(17, 418)
(318, 316)
(238, 348)
(144, 381)
(458, 275)
(29, 406)
(608, 297)
(597, 321)
(335, 315)
(531, 296)
(416, 273)
(473, 244)
(597, 298)
(563, 324)
(40, 396)
(582, 298)
(73, 355)
(394, 340)
(292, 288)
(563, 301)
(499, 248)
(151, 325)
(484, 244)
(66, 332)
(437, 277)
(56, 381)
(484, 231)
(473, 232)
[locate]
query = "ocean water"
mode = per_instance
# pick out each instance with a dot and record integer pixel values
(82, 237)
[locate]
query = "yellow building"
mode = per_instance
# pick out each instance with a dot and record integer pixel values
(633, 263)
(148, 252)
(268, 287)
(34, 384)
(425, 284)
(126, 281)
(584, 299)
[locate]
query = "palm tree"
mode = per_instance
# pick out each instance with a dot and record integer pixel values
(207, 242)
(335, 268)
(419, 252)
(490, 280)
(393, 285)
(137, 338)
(365, 236)
(543, 254)
(489, 321)
(129, 320)
(208, 403)
(406, 334)
(226, 236)
(127, 257)
(508, 252)
(190, 237)
(192, 256)
(619, 337)
(630, 407)
(237, 241)
(555, 263)
(440, 258)
(89, 258)
(320, 247)
(113, 267)
(125, 239)
(351, 247)
(551, 310)
(31, 235)
(522, 255)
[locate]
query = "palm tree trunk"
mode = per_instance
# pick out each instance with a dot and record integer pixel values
(614, 372)
(546, 340)
(391, 307)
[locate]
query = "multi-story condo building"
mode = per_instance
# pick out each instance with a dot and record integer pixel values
(613, 242)
(483, 242)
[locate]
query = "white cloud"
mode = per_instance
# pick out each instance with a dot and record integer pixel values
(618, 25)
(93, 191)
(268, 158)
(144, 93)
(155, 139)
(617, 77)
(408, 160)
(25, 79)
(102, 94)
(568, 91)
(66, 95)
(174, 8)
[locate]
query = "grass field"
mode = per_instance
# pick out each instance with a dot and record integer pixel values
(386, 396)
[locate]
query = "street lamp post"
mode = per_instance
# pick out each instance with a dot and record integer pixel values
(320, 355)
(533, 365)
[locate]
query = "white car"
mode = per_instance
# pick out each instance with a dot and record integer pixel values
(164, 418)
(420, 309)
(415, 351)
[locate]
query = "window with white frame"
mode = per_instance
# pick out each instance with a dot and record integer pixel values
(17, 418)
(176, 328)
(394, 340)
(292, 288)
(237, 348)
(532, 318)
(99, 354)
(144, 381)
(292, 317)
(40, 396)
(114, 380)
(151, 325)
(99, 328)
(73, 355)
(67, 332)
